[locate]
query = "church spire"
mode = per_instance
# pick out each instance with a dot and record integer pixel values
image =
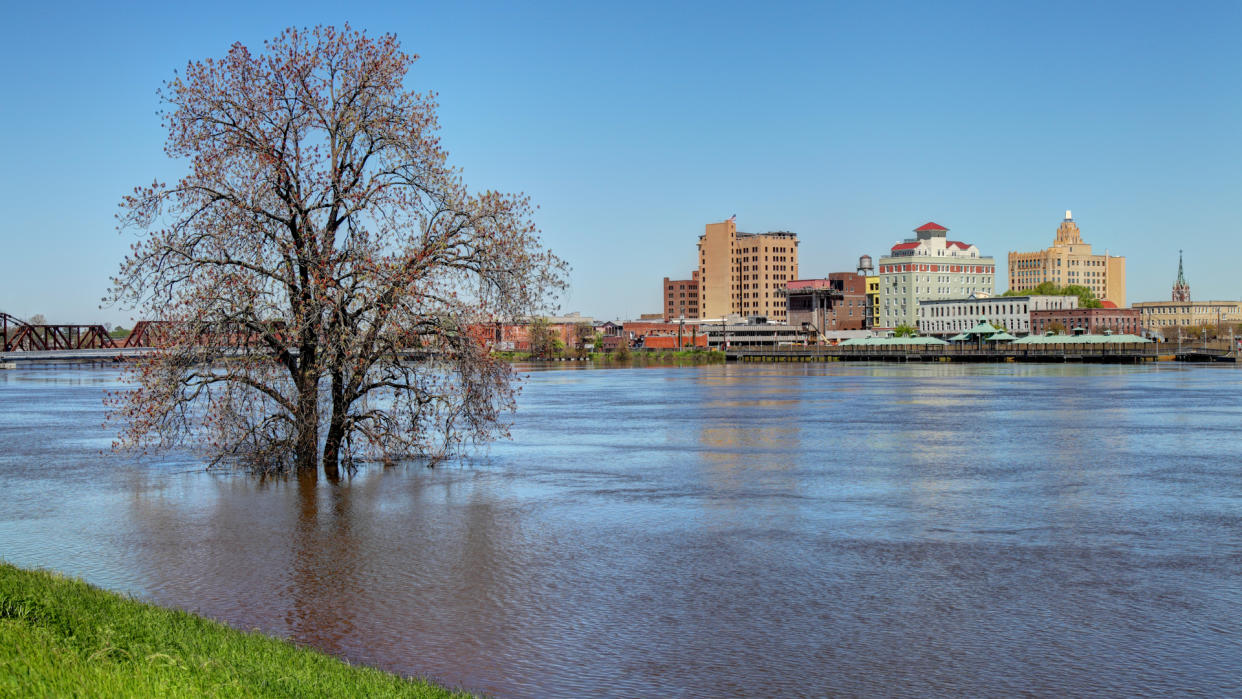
(1181, 290)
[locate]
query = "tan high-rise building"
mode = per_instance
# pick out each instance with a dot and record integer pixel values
(1070, 261)
(745, 273)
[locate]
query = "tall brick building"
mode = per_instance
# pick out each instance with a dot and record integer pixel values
(681, 297)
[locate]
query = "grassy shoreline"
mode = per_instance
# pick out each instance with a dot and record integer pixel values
(63, 637)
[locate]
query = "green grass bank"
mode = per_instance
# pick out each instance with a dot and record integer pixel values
(61, 637)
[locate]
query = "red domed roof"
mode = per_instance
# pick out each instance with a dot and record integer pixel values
(930, 226)
(1105, 303)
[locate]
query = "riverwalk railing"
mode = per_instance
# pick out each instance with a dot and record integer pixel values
(1068, 352)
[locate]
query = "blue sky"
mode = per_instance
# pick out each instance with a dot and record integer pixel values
(632, 125)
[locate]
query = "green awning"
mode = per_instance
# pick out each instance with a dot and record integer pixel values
(1001, 337)
(960, 337)
(983, 328)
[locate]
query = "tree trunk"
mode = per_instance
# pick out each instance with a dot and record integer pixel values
(336, 431)
(306, 450)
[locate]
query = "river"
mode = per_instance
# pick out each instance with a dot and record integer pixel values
(738, 530)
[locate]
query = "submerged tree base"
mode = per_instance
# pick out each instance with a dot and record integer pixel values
(62, 637)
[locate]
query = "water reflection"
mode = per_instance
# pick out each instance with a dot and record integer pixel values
(706, 531)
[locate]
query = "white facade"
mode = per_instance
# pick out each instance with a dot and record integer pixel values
(929, 267)
(952, 316)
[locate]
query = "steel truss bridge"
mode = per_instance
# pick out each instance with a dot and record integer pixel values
(17, 335)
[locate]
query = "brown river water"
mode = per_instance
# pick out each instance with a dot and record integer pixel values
(778, 530)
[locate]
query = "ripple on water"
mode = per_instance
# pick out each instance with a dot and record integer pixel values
(706, 531)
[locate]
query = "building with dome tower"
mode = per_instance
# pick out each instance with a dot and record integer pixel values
(926, 267)
(1070, 261)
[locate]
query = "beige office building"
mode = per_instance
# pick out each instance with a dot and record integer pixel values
(1070, 261)
(745, 273)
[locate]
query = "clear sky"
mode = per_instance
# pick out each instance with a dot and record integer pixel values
(633, 124)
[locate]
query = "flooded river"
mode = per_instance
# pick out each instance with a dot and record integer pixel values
(793, 530)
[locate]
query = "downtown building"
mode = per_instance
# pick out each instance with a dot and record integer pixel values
(929, 267)
(1170, 318)
(821, 305)
(1070, 261)
(745, 273)
(945, 317)
(681, 297)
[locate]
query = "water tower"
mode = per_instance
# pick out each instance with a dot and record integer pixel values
(865, 268)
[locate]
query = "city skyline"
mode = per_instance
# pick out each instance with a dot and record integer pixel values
(631, 128)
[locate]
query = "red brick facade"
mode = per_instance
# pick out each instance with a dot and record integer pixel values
(681, 297)
(1094, 320)
(836, 303)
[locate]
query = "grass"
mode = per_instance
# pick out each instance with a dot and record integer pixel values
(61, 637)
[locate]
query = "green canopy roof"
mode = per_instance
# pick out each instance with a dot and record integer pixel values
(983, 328)
(893, 341)
(1001, 337)
(960, 337)
(1081, 340)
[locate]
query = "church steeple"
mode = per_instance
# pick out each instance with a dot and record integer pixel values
(1181, 290)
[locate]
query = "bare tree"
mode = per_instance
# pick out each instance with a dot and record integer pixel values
(544, 342)
(324, 270)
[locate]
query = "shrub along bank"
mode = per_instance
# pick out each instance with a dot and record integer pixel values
(61, 637)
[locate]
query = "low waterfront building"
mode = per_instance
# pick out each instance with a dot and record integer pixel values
(1170, 318)
(637, 332)
(929, 267)
(572, 330)
(1094, 321)
(755, 333)
(903, 341)
(945, 317)
(1104, 338)
(1070, 261)
(681, 297)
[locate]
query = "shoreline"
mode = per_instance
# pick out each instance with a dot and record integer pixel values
(61, 636)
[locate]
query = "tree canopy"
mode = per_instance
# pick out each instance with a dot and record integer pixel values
(328, 277)
(1086, 297)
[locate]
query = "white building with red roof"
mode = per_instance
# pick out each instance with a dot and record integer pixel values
(926, 267)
